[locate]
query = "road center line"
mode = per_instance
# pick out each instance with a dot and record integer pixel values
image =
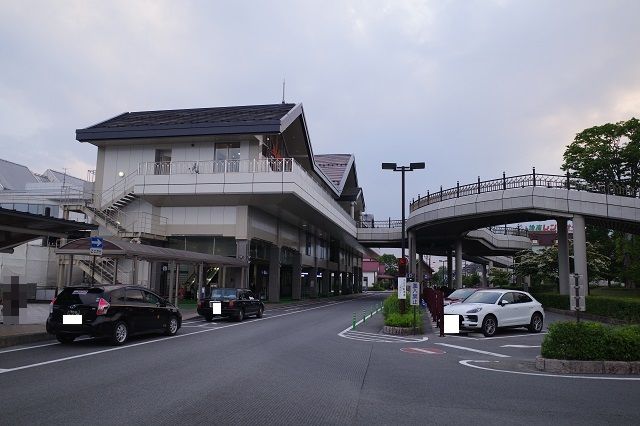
(178, 336)
(474, 350)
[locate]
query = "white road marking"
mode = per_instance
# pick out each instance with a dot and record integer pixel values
(148, 342)
(520, 346)
(465, 337)
(386, 336)
(350, 333)
(41, 346)
(474, 350)
(467, 362)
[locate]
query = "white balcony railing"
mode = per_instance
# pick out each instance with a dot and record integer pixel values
(265, 165)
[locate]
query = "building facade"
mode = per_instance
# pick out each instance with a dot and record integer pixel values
(232, 181)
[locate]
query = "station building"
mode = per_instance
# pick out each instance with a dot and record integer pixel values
(233, 181)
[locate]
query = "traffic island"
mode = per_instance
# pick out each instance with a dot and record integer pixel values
(587, 367)
(401, 331)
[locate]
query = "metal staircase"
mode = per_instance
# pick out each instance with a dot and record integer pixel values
(102, 272)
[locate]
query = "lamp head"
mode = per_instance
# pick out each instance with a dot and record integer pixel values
(389, 166)
(415, 166)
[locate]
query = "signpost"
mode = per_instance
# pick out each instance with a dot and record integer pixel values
(402, 288)
(415, 300)
(97, 244)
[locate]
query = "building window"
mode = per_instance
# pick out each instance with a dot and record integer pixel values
(227, 157)
(163, 162)
(307, 249)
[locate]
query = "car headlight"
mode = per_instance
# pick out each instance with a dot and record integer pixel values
(474, 311)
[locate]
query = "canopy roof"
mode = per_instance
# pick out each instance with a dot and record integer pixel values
(115, 247)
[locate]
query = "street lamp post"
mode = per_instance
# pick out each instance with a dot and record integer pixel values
(396, 168)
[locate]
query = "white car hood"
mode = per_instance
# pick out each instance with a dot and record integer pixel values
(462, 308)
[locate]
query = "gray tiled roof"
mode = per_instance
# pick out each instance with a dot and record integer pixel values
(334, 166)
(15, 176)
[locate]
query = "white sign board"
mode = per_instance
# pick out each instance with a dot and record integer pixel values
(415, 293)
(402, 287)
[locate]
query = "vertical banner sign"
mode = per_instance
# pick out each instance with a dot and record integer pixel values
(402, 287)
(415, 293)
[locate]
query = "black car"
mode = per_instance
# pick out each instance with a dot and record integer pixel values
(230, 302)
(115, 312)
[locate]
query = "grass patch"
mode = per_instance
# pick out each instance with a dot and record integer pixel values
(590, 341)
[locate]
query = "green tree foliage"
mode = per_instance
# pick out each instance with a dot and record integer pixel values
(471, 280)
(499, 277)
(606, 153)
(390, 263)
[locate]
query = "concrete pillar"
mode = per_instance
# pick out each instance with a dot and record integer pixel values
(580, 253)
(459, 263)
(69, 270)
(134, 273)
(449, 268)
(489, 271)
(177, 284)
(200, 280)
(485, 282)
(563, 255)
(420, 269)
(60, 274)
(274, 274)
(242, 253)
(313, 282)
(172, 276)
(412, 253)
(296, 279)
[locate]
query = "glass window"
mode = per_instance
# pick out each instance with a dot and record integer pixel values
(522, 298)
(151, 298)
(509, 297)
(488, 297)
(117, 296)
(134, 296)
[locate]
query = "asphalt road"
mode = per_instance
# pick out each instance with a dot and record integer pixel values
(303, 365)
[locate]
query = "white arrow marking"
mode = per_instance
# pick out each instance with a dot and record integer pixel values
(520, 346)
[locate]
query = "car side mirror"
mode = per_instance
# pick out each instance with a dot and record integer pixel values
(504, 302)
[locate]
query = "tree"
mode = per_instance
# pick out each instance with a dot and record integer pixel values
(471, 280)
(499, 277)
(609, 153)
(390, 263)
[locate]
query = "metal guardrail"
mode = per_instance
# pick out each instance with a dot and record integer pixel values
(521, 181)
(516, 231)
(390, 223)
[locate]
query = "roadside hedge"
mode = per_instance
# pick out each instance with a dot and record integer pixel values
(613, 307)
(393, 318)
(590, 341)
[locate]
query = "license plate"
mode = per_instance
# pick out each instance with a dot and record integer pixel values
(216, 307)
(72, 319)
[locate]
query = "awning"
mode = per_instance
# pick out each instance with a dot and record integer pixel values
(116, 247)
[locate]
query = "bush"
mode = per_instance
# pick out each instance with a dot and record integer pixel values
(396, 319)
(391, 305)
(589, 341)
(624, 309)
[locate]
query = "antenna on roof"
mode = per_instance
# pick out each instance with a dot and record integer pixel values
(283, 83)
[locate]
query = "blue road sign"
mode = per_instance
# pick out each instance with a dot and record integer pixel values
(97, 242)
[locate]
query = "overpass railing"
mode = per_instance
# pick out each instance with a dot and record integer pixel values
(516, 231)
(389, 223)
(521, 181)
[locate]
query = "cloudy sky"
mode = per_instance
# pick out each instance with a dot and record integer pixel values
(473, 88)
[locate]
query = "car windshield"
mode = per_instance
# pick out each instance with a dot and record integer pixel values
(461, 293)
(488, 297)
(223, 293)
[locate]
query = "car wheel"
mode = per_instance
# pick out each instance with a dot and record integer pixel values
(489, 325)
(259, 314)
(209, 318)
(535, 326)
(172, 326)
(65, 340)
(240, 316)
(120, 333)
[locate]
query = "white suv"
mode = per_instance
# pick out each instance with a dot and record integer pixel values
(487, 310)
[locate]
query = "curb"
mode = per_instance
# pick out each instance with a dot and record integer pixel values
(587, 316)
(23, 339)
(401, 331)
(587, 367)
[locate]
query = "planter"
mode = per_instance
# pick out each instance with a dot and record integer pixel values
(587, 367)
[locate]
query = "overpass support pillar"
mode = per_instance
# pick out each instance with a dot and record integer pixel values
(274, 274)
(412, 253)
(563, 255)
(580, 252)
(449, 269)
(489, 271)
(296, 279)
(485, 283)
(459, 263)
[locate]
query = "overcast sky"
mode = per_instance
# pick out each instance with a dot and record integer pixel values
(473, 88)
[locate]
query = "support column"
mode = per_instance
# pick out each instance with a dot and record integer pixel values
(459, 263)
(115, 271)
(449, 269)
(69, 271)
(313, 282)
(60, 274)
(177, 283)
(420, 269)
(563, 255)
(296, 279)
(274, 274)
(172, 265)
(489, 271)
(200, 280)
(412, 253)
(580, 253)
(134, 273)
(485, 282)
(242, 253)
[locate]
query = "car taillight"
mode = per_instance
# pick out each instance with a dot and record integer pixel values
(103, 305)
(231, 303)
(51, 305)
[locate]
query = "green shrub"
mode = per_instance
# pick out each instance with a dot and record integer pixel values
(589, 341)
(391, 305)
(624, 309)
(395, 319)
